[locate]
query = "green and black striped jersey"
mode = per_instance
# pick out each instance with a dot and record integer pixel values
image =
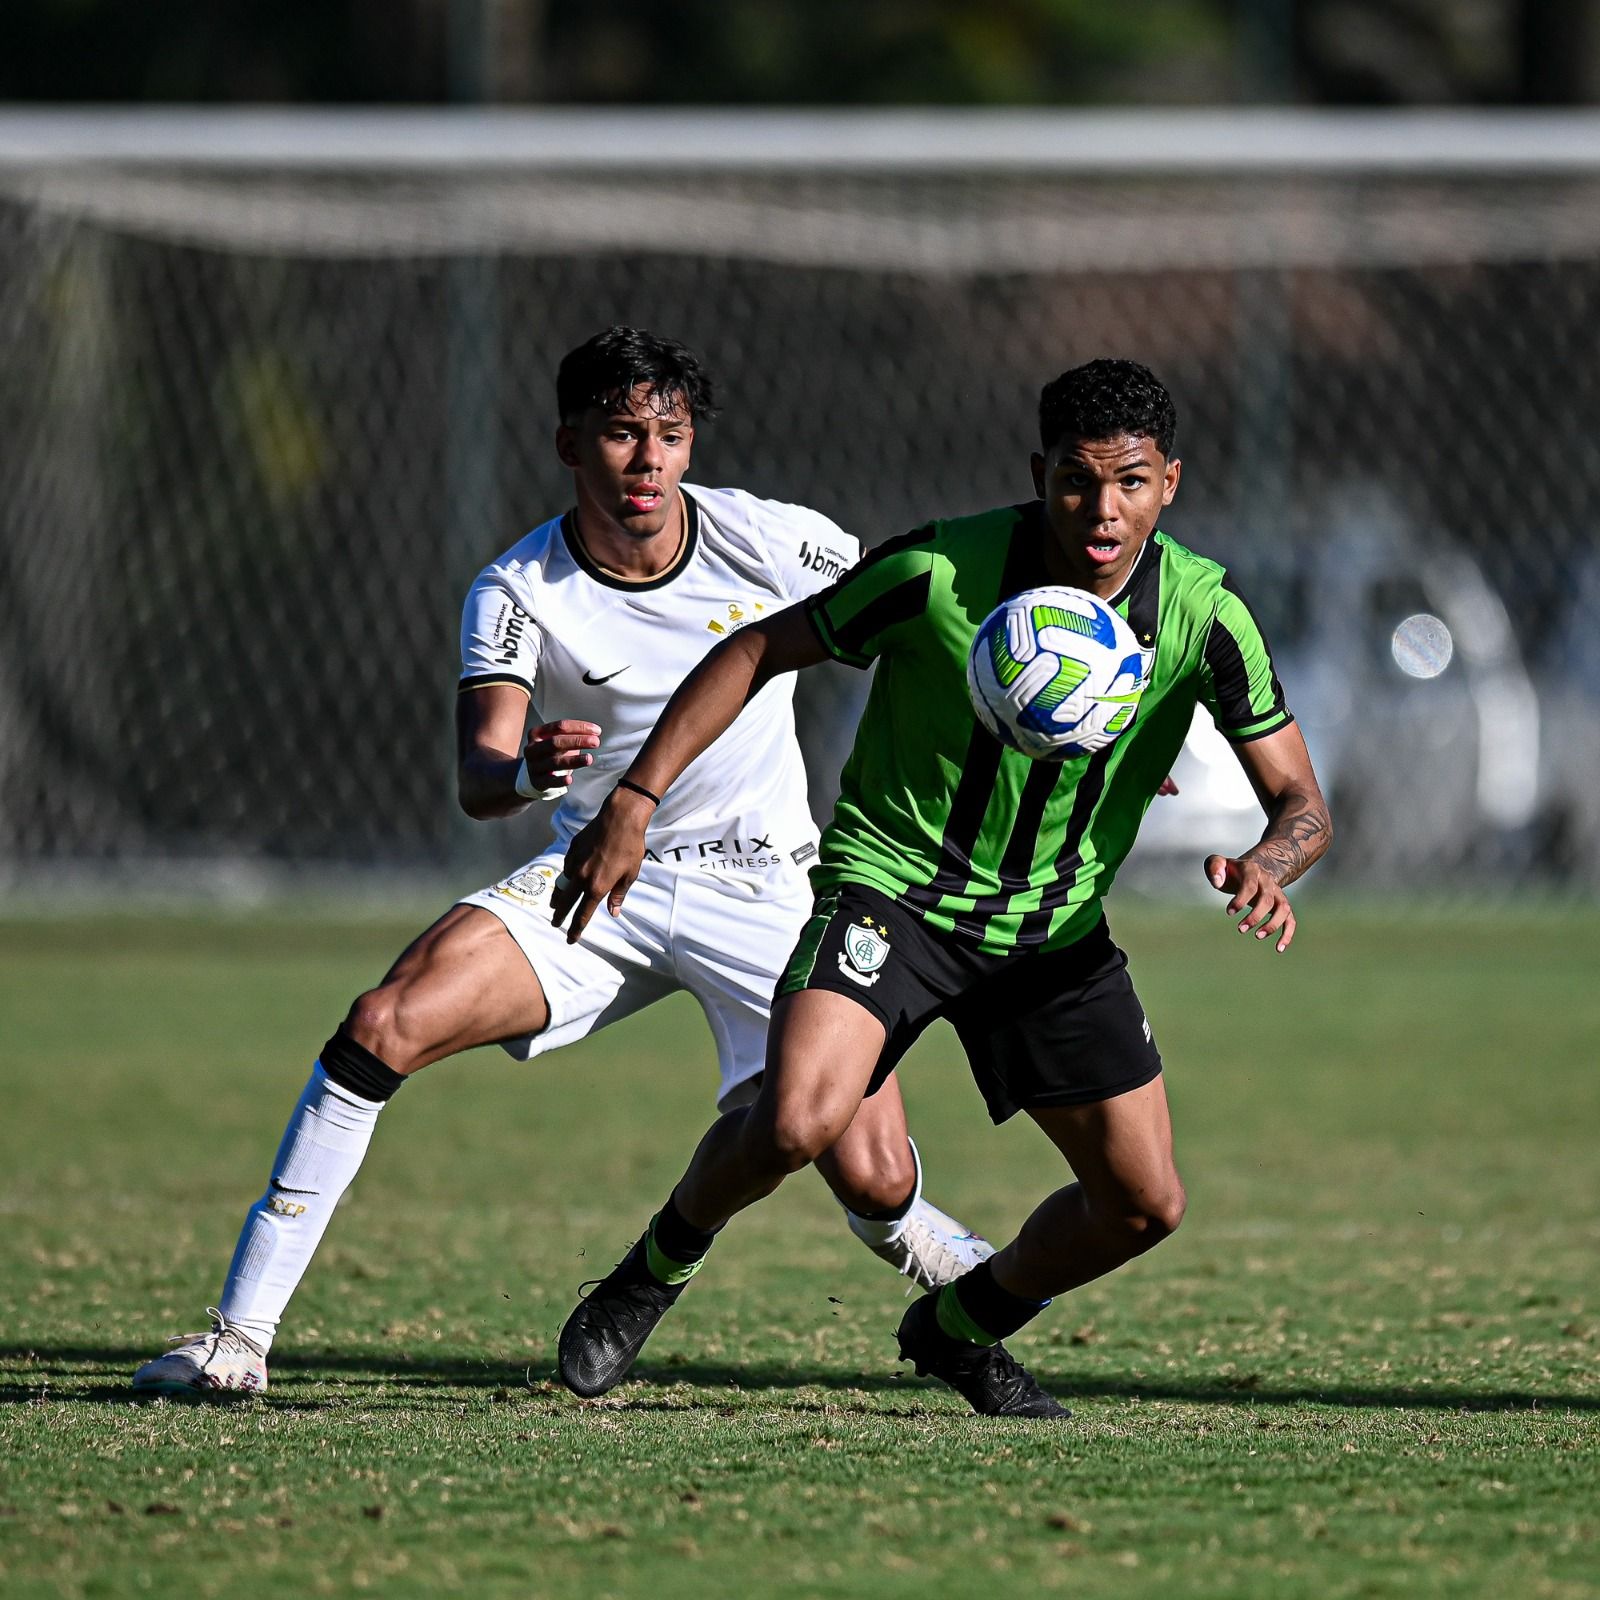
(982, 841)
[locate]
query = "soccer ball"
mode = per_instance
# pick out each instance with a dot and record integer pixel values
(1055, 673)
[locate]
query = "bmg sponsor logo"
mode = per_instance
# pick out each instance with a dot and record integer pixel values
(828, 562)
(507, 632)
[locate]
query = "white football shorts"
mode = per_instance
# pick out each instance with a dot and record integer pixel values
(722, 938)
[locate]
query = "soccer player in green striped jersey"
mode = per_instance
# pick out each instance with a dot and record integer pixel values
(960, 879)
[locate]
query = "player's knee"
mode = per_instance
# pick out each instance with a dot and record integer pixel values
(1157, 1214)
(876, 1178)
(376, 1021)
(1144, 1218)
(1164, 1213)
(795, 1138)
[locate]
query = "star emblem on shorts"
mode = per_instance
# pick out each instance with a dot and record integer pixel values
(866, 948)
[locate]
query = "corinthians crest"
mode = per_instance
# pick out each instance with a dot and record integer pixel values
(865, 951)
(530, 886)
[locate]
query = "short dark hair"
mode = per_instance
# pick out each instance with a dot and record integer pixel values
(605, 370)
(1104, 400)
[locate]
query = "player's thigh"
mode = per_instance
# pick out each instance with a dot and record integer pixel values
(822, 1051)
(1120, 1150)
(463, 982)
(876, 1137)
(733, 942)
(621, 965)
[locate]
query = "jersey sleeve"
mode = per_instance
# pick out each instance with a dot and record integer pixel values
(1238, 683)
(499, 638)
(807, 551)
(856, 618)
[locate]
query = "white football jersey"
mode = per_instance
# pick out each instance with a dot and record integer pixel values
(588, 645)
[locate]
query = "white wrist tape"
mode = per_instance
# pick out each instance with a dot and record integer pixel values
(524, 785)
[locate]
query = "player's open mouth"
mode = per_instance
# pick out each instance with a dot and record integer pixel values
(1103, 550)
(647, 498)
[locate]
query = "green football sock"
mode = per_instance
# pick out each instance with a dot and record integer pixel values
(674, 1249)
(955, 1321)
(977, 1309)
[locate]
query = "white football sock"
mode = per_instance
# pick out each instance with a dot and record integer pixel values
(322, 1150)
(875, 1231)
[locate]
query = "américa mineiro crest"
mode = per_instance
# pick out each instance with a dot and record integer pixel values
(865, 950)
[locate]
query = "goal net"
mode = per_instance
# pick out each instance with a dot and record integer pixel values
(269, 404)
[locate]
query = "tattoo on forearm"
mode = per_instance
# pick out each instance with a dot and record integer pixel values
(1296, 836)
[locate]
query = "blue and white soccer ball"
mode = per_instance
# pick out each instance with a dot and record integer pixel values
(1055, 673)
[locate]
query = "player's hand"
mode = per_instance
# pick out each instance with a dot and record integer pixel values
(602, 862)
(1167, 786)
(1257, 893)
(555, 751)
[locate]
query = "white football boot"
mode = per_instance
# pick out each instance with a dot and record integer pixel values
(925, 1245)
(930, 1248)
(220, 1364)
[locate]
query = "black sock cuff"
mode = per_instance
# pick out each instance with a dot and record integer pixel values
(893, 1214)
(994, 1309)
(677, 1237)
(354, 1067)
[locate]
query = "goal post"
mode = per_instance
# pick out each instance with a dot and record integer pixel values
(278, 383)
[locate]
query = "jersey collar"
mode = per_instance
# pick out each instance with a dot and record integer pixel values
(1141, 589)
(1135, 572)
(587, 563)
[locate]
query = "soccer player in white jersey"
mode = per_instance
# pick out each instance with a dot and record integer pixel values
(599, 613)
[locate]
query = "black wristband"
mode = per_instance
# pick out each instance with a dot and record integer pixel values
(639, 788)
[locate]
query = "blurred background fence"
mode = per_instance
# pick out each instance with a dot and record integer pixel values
(276, 386)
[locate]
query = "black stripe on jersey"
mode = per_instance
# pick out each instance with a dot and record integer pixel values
(823, 597)
(1142, 591)
(1229, 675)
(1231, 678)
(1035, 926)
(1023, 569)
(899, 604)
(1016, 864)
(580, 553)
(979, 770)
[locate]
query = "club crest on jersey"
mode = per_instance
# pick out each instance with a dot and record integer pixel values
(735, 616)
(865, 951)
(529, 886)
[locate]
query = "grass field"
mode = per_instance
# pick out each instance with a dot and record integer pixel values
(1368, 1365)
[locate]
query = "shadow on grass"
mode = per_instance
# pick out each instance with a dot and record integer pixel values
(78, 1372)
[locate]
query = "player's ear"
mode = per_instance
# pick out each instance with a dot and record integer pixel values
(1170, 483)
(567, 445)
(1036, 462)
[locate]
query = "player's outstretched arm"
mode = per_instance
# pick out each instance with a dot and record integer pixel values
(604, 859)
(492, 779)
(1298, 831)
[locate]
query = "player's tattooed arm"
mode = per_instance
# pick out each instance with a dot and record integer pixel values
(1297, 833)
(1298, 830)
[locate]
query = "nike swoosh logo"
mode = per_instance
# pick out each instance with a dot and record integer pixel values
(594, 682)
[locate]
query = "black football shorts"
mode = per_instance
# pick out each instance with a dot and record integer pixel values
(1040, 1028)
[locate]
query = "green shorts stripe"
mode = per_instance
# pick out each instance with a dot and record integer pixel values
(798, 973)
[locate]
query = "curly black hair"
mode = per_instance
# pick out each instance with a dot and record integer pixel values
(605, 370)
(1104, 400)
